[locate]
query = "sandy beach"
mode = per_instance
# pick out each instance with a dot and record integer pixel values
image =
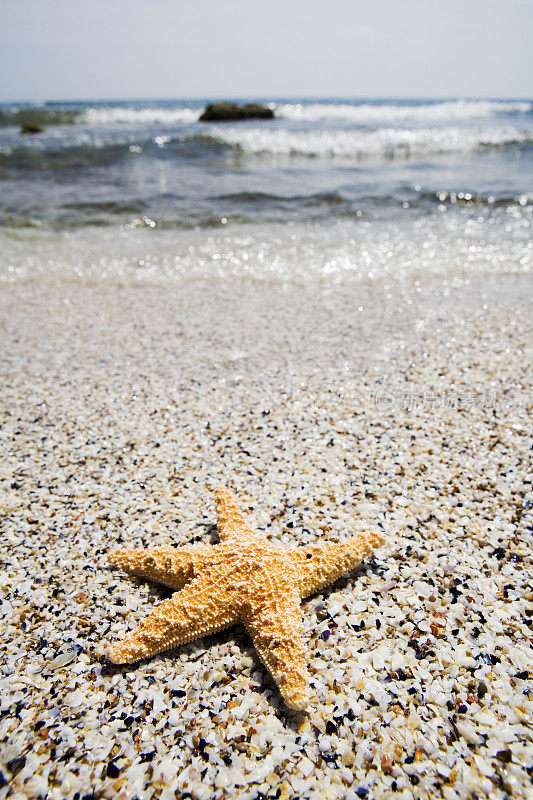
(328, 409)
(265, 380)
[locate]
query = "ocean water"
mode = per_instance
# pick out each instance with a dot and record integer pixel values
(337, 189)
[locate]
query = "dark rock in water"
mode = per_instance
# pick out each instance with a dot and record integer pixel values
(223, 112)
(31, 127)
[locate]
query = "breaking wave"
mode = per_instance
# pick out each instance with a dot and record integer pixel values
(121, 115)
(370, 113)
(356, 113)
(383, 142)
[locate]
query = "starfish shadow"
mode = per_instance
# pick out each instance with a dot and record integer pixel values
(239, 636)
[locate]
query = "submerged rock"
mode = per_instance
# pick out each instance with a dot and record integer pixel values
(220, 112)
(30, 127)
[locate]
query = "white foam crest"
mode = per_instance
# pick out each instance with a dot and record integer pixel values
(385, 142)
(391, 112)
(109, 115)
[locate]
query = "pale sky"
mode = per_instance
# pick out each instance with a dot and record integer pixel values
(114, 49)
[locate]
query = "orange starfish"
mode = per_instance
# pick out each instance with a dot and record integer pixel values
(244, 578)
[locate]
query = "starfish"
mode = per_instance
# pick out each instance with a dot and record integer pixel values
(244, 578)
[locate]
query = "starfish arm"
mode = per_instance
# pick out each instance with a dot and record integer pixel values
(232, 523)
(276, 627)
(206, 605)
(171, 566)
(321, 564)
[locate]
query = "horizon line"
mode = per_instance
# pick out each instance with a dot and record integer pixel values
(262, 98)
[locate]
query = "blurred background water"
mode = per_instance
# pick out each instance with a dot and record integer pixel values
(333, 168)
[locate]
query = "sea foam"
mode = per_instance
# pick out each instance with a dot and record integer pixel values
(384, 142)
(130, 115)
(370, 113)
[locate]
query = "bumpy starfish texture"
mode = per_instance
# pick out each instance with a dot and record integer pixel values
(244, 578)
